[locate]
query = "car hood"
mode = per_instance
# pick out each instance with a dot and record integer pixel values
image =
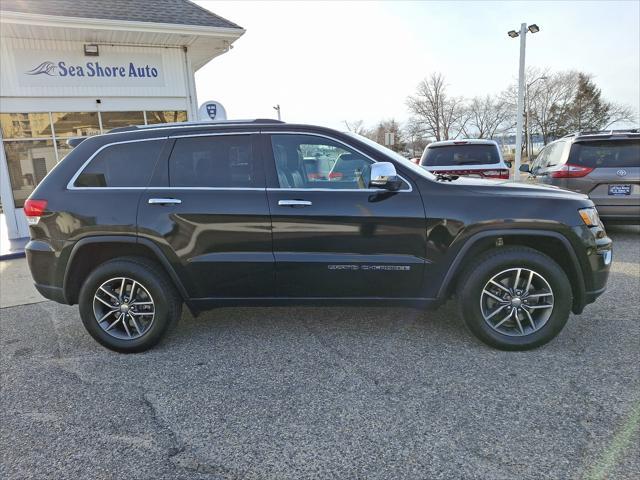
(510, 188)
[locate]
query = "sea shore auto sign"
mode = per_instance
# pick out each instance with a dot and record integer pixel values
(37, 68)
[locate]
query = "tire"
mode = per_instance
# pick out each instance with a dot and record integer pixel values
(535, 323)
(138, 329)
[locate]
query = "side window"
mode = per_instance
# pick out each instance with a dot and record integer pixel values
(122, 165)
(223, 161)
(555, 154)
(307, 161)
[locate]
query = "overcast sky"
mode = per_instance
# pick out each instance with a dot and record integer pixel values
(327, 62)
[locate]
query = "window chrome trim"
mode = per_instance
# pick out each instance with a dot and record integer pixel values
(70, 184)
(214, 134)
(313, 134)
(261, 189)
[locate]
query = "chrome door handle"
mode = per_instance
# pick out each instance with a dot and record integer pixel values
(164, 201)
(294, 203)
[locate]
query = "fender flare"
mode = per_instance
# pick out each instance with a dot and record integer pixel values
(475, 238)
(157, 252)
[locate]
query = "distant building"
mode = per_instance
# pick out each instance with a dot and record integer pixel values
(81, 67)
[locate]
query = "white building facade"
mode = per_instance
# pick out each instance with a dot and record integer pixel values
(69, 76)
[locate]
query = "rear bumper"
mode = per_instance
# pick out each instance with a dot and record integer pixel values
(43, 262)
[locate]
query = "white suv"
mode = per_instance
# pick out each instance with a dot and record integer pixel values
(476, 157)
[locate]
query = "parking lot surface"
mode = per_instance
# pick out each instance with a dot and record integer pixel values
(279, 393)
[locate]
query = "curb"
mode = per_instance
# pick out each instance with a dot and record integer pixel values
(12, 255)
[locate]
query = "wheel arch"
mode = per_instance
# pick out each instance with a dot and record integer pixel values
(91, 251)
(552, 243)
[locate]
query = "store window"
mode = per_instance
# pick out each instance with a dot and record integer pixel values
(28, 162)
(75, 124)
(166, 116)
(25, 125)
(112, 120)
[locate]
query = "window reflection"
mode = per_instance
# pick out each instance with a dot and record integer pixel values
(28, 162)
(75, 124)
(25, 125)
(166, 116)
(121, 119)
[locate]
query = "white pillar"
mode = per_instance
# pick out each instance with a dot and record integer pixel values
(520, 110)
(6, 195)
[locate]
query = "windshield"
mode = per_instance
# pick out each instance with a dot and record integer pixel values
(396, 156)
(455, 155)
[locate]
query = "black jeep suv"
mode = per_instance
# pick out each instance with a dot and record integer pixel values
(136, 222)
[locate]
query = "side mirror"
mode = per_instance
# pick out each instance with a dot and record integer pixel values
(525, 168)
(508, 164)
(384, 175)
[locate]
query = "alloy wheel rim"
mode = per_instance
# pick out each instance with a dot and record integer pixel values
(517, 302)
(124, 308)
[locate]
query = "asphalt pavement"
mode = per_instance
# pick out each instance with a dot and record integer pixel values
(297, 393)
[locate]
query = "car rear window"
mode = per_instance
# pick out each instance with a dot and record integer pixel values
(470, 154)
(122, 165)
(614, 154)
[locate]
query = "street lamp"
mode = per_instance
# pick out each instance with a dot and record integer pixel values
(277, 109)
(528, 124)
(523, 41)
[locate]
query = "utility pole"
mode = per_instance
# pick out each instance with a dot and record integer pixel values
(521, 87)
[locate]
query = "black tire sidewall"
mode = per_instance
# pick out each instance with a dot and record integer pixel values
(164, 310)
(489, 266)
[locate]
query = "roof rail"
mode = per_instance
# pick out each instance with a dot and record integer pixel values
(603, 132)
(194, 124)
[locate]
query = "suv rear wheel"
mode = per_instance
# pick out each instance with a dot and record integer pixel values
(515, 298)
(127, 304)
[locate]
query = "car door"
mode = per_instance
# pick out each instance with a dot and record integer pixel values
(333, 236)
(207, 209)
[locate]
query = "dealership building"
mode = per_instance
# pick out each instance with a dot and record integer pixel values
(82, 67)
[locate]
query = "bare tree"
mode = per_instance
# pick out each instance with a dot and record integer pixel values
(443, 117)
(486, 116)
(356, 126)
(415, 137)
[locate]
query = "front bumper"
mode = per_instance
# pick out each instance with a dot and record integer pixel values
(599, 256)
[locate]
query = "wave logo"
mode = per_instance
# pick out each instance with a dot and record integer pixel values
(47, 68)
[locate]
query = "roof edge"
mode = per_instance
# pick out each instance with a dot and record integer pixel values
(8, 16)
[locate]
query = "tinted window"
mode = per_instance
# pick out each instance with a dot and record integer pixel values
(223, 161)
(122, 165)
(615, 154)
(453, 155)
(307, 161)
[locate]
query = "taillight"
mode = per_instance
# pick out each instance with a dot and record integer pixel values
(33, 209)
(335, 176)
(500, 173)
(571, 171)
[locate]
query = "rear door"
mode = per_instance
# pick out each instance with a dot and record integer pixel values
(614, 180)
(332, 235)
(207, 209)
(549, 159)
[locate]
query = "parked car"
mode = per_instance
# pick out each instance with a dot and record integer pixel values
(603, 165)
(471, 157)
(135, 223)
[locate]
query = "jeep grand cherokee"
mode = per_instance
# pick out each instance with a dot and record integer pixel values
(135, 223)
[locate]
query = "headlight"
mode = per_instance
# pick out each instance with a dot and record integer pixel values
(589, 216)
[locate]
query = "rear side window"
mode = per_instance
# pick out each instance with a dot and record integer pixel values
(614, 154)
(223, 161)
(453, 155)
(122, 165)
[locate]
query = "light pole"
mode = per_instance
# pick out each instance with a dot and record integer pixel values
(528, 102)
(277, 109)
(520, 109)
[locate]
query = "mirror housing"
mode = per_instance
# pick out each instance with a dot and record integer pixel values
(525, 168)
(384, 175)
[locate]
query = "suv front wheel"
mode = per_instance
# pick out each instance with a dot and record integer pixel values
(515, 298)
(127, 304)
